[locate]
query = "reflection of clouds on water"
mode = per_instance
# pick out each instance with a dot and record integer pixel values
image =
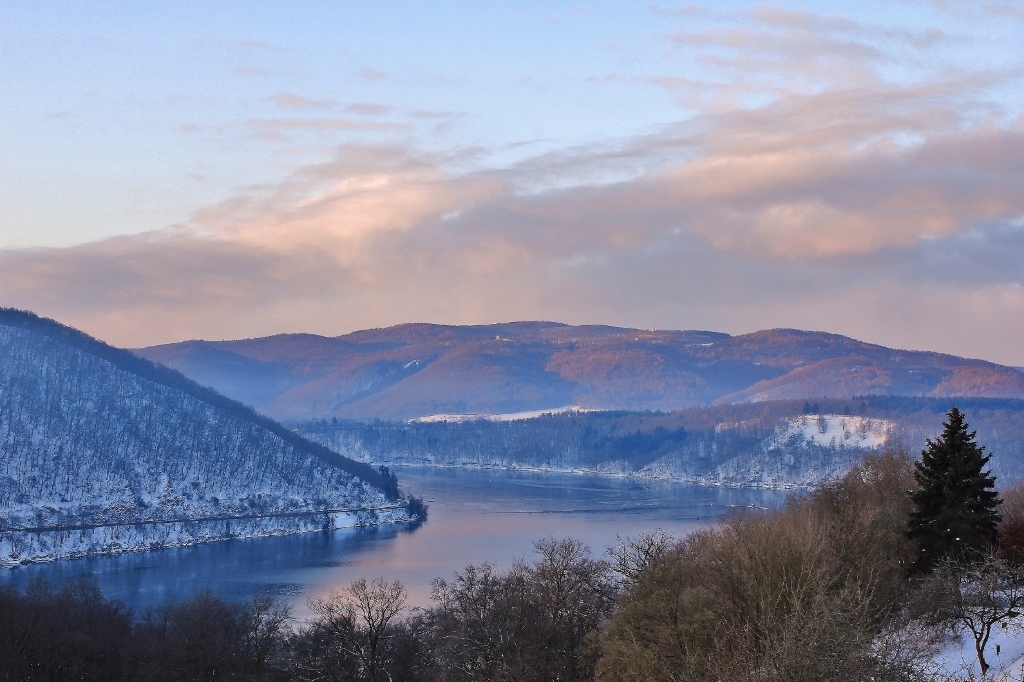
(476, 516)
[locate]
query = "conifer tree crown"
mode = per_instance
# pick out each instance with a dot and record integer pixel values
(954, 512)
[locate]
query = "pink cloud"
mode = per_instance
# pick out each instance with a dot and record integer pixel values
(287, 100)
(372, 74)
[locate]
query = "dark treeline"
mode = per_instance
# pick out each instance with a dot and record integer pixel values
(821, 589)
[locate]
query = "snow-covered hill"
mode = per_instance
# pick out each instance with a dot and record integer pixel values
(772, 443)
(102, 451)
(798, 451)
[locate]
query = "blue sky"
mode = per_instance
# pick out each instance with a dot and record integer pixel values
(225, 169)
(140, 113)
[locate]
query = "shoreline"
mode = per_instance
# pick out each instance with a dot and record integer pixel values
(608, 474)
(184, 533)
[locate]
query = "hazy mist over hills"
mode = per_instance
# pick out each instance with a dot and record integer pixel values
(415, 370)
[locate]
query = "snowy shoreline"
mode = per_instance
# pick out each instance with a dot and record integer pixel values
(19, 547)
(578, 471)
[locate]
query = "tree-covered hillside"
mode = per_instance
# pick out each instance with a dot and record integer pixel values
(103, 451)
(771, 443)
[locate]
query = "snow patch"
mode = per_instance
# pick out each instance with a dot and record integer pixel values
(957, 656)
(506, 417)
(835, 430)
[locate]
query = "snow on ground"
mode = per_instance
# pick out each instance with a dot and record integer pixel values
(836, 430)
(507, 417)
(957, 657)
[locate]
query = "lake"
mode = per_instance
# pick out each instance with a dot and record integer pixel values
(476, 515)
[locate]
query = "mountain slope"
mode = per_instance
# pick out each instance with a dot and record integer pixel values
(101, 450)
(414, 370)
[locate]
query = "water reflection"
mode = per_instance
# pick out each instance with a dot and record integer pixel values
(475, 516)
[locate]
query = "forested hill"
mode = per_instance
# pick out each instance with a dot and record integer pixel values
(101, 450)
(769, 443)
(416, 370)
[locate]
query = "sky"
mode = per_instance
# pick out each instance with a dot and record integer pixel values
(231, 169)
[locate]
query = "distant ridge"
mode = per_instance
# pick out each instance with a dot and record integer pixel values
(415, 370)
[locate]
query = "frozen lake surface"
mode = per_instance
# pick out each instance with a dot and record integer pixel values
(476, 515)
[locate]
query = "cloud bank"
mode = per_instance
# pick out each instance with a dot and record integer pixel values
(825, 175)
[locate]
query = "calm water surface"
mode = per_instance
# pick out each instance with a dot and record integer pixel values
(475, 516)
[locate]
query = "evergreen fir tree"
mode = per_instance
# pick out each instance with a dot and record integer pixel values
(954, 512)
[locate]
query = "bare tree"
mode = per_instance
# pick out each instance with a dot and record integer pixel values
(570, 593)
(531, 623)
(978, 597)
(357, 621)
(632, 556)
(264, 624)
